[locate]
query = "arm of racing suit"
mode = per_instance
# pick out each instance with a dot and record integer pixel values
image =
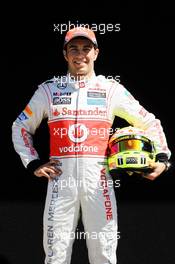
(128, 108)
(24, 128)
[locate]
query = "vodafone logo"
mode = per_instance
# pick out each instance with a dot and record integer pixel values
(78, 139)
(78, 133)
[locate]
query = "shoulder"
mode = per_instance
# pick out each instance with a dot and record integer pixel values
(59, 82)
(49, 81)
(110, 82)
(42, 89)
(48, 85)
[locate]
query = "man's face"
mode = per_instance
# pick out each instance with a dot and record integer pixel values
(80, 55)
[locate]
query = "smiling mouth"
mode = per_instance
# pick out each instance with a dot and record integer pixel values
(79, 63)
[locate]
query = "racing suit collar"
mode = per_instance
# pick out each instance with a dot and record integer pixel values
(80, 83)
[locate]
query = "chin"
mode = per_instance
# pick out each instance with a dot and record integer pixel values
(81, 72)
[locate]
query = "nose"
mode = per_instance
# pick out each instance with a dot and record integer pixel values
(79, 53)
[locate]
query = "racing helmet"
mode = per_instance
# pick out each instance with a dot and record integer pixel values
(130, 149)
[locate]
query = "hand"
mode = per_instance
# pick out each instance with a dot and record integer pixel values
(49, 169)
(157, 169)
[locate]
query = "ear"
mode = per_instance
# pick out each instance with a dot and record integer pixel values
(64, 54)
(96, 51)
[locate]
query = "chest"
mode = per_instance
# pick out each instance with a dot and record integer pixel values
(86, 102)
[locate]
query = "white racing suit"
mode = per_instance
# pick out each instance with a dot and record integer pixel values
(80, 115)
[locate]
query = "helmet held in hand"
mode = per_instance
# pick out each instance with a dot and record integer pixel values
(131, 150)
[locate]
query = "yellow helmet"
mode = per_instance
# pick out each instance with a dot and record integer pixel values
(130, 149)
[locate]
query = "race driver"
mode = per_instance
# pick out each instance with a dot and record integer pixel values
(80, 108)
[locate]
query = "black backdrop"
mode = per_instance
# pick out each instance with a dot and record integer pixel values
(141, 54)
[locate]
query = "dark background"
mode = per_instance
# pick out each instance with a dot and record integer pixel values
(142, 55)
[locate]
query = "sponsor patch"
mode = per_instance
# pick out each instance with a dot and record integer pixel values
(96, 101)
(27, 141)
(69, 138)
(28, 110)
(22, 117)
(62, 85)
(65, 111)
(81, 84)
(97, 88)
(61, 100)
(107, 200)
(96, 95)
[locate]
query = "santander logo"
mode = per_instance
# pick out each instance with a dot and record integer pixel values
(78, 133)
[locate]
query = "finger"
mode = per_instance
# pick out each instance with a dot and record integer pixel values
(50, 170)
(58, 172)
(55, 166)
(55, 170)
(42, 174)
(150, 176)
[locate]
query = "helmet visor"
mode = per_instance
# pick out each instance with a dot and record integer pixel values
(131, 144)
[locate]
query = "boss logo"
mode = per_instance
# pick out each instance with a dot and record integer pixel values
(131, 160)
(61, 100)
